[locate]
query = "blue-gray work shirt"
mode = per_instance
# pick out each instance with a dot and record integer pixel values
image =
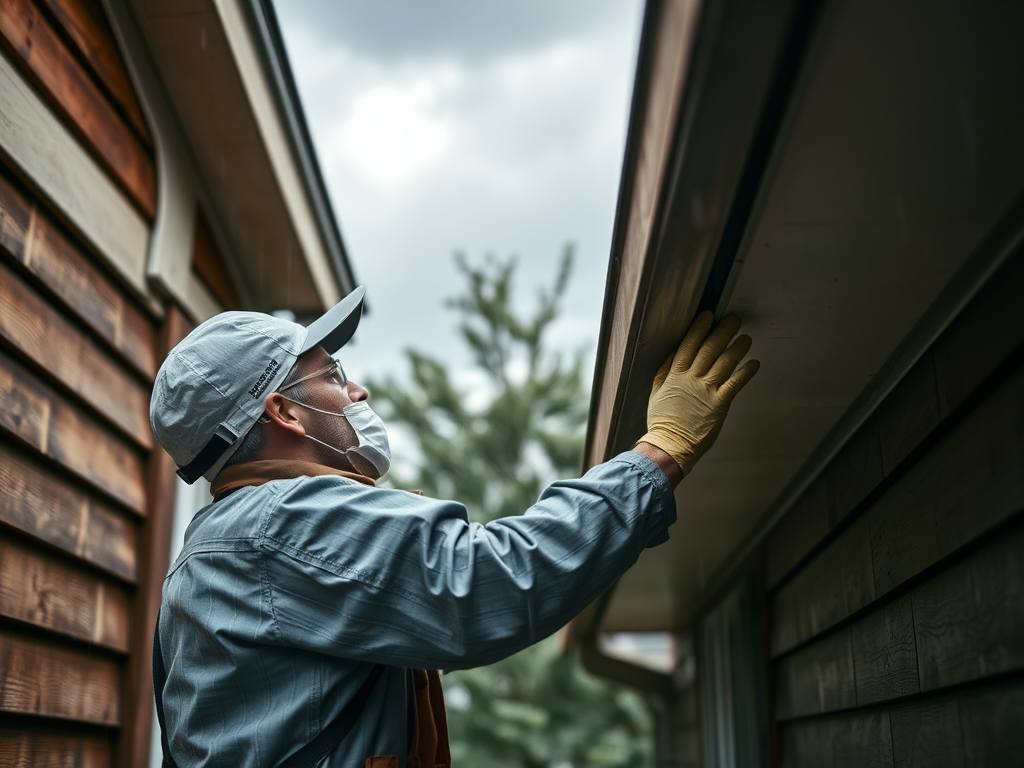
(285, 594)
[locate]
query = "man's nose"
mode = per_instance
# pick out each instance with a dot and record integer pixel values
(356, 393)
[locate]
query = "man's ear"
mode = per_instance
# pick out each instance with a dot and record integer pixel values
(285, 414)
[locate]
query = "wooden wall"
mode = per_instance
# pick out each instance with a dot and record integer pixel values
(896, 584)
(84, 497)
(66, 49)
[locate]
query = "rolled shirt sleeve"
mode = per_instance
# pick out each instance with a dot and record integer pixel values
(390, 577)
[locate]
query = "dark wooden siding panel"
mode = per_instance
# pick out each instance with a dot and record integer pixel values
(39, 588)
(969, 482)
(859, 739)
(970, 618)
(834, 585)
(77, 355)
(37, 330)
(990, 718)
(85, 25)
(909, 414)
(986, 333)
(40, 502)
(862, 738)
(975, 728)
(31, 239)
(808, 744)
(15, 216)
(963, 625)
(885, 654)
(855, 471)
(806, 524)
(926, 733)
(70, 90)
(53, 680)
(817, 679)
(34, 414)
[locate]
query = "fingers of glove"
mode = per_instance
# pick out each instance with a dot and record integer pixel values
(659, 377)
(737, 381)
(692, 341)
(716, 342)
(728, 360)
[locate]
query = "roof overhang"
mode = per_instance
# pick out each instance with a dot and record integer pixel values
(225, 72)
(828, 171)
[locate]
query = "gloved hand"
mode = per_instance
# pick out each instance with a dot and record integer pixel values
(694, 388)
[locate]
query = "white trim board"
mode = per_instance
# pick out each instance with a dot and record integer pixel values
(54, 161)
(275, 141)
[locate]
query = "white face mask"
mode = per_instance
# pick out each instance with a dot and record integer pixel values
(373, 437)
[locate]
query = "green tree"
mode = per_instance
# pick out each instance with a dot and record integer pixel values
(493, 449)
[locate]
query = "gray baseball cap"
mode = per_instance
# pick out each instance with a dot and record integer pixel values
(210, 390)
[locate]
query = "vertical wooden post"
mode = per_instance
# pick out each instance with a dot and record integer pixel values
(154, 560)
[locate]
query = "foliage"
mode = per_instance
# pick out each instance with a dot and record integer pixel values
(494, 458)
(539, 708)
(493, 448)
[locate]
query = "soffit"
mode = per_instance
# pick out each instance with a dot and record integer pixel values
(899, 151)
(191, 51)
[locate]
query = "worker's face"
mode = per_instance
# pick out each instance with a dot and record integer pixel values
(329, 394)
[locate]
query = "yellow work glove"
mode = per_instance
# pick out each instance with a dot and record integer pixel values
(694, 388)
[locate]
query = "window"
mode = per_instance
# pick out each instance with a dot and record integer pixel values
(731, 677)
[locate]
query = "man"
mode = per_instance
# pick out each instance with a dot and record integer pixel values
(300, 617)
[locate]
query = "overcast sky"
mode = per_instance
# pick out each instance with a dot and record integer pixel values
(459, 125)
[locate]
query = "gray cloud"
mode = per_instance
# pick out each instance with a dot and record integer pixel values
(504, 135)
(472, 32)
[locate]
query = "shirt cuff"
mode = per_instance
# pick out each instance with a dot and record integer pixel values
(663, 493)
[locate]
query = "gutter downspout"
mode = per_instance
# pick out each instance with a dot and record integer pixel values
(582, 633)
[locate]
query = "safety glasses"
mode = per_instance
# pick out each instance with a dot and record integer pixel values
(333, 370)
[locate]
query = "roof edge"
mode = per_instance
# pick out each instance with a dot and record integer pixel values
(273, 56)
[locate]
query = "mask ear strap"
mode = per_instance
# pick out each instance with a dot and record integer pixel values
(313, 407)
(328, 445)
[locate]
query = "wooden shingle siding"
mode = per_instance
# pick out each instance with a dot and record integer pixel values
(32, 241)
(48, 421)
(26, 746)
(58, 680)
(41, 502)
(62, 350)
(73, 92)
(47, 591)
(85, 26)
(80, 557)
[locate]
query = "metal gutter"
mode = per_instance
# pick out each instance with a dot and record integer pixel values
(717, 23)
(634, 133)
(793, 53)
(270, 47)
